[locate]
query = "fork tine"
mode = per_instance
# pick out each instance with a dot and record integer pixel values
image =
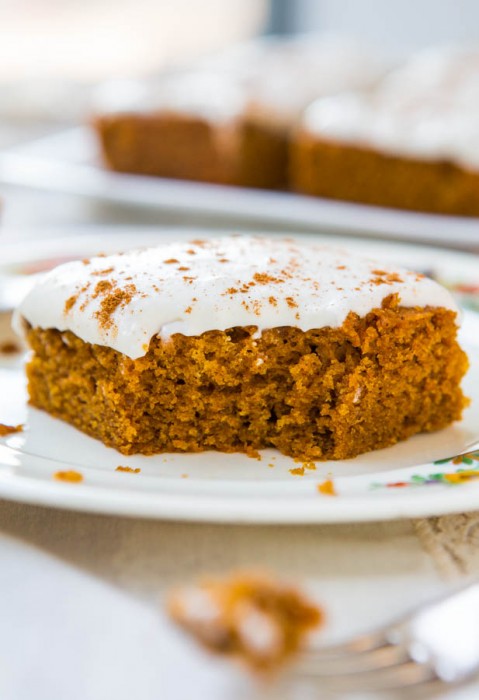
(410, 675)
(386, 656)
(357, 645)
(423, 649)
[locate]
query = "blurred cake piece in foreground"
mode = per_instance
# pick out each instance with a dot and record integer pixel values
(411, 143)
(253, 617)
(228, 120)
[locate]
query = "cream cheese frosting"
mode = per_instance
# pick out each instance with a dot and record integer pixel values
(205, 94)
(281, 77)
(428, 109)
(122, 301)
(271, 80)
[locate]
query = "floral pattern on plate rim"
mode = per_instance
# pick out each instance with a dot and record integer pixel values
(449, 478)
(466, 294)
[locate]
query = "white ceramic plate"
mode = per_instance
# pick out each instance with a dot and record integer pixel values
(404, 480)
(68, 162)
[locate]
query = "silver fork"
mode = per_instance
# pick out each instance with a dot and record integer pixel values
(431, 648)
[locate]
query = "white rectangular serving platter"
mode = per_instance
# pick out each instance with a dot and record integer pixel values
(68, 162)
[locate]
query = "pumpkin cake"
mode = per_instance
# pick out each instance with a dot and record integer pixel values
(410, 143)
(249, 616)
(242, 343)
(227, 120)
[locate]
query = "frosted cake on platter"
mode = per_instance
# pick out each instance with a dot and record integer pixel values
(242, 343)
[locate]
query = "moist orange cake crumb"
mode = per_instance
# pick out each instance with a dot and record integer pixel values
(9, 429)
(71, 476)
(327, 488)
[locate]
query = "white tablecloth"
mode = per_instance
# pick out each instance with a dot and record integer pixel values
(81, 605)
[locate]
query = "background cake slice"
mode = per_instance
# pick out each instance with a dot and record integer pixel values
(412, 142)
(228, 120)
(240, 343)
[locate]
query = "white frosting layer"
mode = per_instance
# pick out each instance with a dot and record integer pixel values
(283, 76)
(205, 94)
(270, 79)
(218, 283)
(427, 109)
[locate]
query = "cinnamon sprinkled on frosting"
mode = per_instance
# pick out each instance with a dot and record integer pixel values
(231, 281)
(107, 271)
(102, 287)
(264, 278)
(70, 303)
(382, 277)
(112, 299)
